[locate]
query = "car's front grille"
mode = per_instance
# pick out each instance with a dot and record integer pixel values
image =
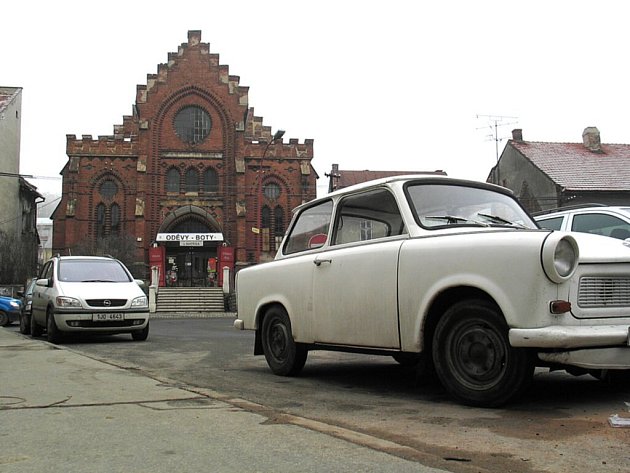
(106, 302)
(604, 292)
(112, 324)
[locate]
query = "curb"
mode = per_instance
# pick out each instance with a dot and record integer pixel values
(192, 315)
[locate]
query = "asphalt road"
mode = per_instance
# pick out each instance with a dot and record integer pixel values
(560, 426)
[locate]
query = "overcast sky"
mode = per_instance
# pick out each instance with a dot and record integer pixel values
(379, 85)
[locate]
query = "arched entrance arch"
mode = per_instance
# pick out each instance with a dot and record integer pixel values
(191, 248)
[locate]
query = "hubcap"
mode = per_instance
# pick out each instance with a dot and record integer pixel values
(278, 340)
(478, 355)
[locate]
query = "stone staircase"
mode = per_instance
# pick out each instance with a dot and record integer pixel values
(190, 299)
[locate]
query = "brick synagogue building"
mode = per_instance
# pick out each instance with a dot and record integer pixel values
(191, 182)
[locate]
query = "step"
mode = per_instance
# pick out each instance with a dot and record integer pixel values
(190, 299)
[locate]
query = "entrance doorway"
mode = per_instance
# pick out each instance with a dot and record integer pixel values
(190, 266)
(191, 238)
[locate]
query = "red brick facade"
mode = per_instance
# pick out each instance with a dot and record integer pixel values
(152, 177)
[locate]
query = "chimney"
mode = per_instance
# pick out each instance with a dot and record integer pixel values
(517, 134)
(591, 139)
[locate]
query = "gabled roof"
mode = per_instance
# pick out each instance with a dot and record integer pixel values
(7, 94)
(574, 167)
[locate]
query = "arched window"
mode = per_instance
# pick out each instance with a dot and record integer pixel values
(172, 180)
(278, 216)
(100, 220)
(115, 218)
(192, 180)
(210, 181)
(266, 217)
(272, 223)
(278, 226)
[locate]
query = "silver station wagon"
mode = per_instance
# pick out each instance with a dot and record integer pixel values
(450, 274)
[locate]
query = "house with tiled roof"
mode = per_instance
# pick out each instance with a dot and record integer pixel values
(18, 209)
(551, 175)
(339, 179)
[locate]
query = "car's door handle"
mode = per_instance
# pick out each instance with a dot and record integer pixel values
(318, 262)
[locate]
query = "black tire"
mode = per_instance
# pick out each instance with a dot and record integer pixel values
(53, 334)
(473, 357)
(25, 323)
(36, 330)
(619, 378)
(141, 335)
(4, 319)
(283, 355)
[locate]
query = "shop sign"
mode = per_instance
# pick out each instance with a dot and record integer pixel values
(189, 237)
(191, 243)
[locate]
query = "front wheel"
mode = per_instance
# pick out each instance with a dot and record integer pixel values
(473, 357)
(53, 334)
(141, 335)
(283, 355)
(4, 319)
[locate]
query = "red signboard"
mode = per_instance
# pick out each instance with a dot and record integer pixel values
(157, 258)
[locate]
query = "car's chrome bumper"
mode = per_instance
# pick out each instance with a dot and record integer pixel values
(591, 358)
(75, 322)
(589, 347)
(571, 337)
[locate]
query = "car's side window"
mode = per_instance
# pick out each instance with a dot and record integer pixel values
(554, 223)
(368, 216)
(601, 224)
(311, 228)
(46, 271)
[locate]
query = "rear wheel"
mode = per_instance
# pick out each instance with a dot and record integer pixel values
(36, 330)
(25, 323)
(473, 357)
(4, 319)
(283, 355)
(53, 334)
(141, 335)
(613, 377)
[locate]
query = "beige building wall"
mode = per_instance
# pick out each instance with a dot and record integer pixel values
(10, 130)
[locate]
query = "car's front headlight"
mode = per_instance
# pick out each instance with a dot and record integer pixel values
(140, 302)
(14, 304)
(560, 255)
(68, 302)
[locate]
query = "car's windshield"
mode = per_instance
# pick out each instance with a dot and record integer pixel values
(87, 270)
(440, 205)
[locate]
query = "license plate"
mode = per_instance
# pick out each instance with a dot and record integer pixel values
(108, 317)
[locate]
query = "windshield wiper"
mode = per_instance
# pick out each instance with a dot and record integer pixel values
(98, 280)
(500, 220)
(453, 220)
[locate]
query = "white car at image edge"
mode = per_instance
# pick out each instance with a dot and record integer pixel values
(602, 220)
(446, 273)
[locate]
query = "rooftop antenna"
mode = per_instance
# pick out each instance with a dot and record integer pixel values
(494, 122)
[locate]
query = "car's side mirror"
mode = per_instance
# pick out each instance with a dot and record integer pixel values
(42, 282)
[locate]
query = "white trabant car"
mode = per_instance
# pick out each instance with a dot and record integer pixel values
(450, 273)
